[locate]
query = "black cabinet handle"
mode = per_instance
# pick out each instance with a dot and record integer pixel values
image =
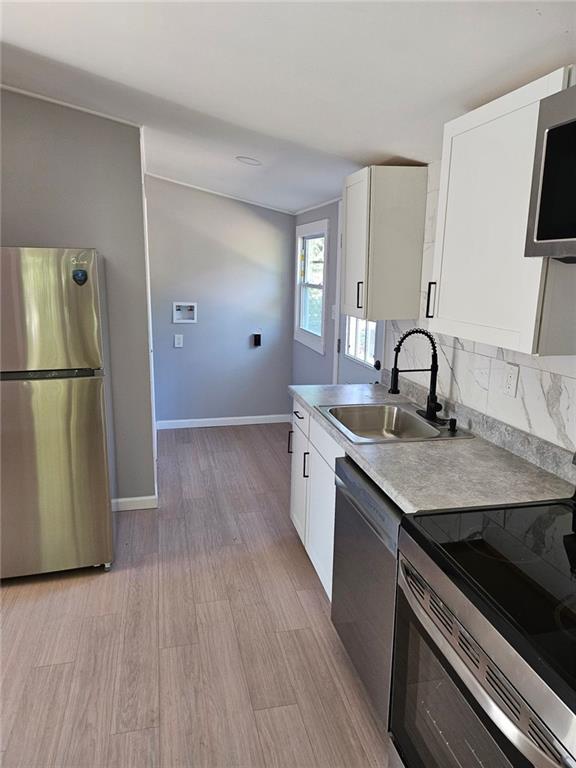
(358, 292)
(305, 465)
(290, 433)
(429, 303)
(298, 416)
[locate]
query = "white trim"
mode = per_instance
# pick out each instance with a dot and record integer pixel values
(149, 313)
(319, 205)
(219, 194)
(336, 360)
(94, 112)
(224, 421)
(311, 340)
(134, 502)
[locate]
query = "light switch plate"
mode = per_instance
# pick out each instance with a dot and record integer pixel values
(511, 372)
(178, 340)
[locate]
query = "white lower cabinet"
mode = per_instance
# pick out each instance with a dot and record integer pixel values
(313, 496)
(320, 527)
(299, 481)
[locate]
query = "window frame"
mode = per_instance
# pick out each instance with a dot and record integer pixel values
(359, 360)
(318, 228)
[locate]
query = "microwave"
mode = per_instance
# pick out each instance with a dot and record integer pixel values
(552, 214)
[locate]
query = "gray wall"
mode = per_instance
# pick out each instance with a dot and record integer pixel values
(310, 367)
(235, 260)
(74, 179)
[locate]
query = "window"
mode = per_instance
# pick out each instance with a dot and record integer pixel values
(311, 256)
(361, 340)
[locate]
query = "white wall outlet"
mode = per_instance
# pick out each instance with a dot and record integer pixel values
(178, 340)
(510, 386)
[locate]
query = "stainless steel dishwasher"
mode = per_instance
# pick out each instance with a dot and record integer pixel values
(364, 579)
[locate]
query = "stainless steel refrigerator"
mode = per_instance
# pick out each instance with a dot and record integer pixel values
(55, 498)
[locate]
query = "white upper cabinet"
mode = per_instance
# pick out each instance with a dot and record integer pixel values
(484, 288)
(382, 236)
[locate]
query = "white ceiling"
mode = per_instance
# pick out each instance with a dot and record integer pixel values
(312, 89)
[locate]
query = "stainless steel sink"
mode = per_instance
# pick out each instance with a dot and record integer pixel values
(385, 422)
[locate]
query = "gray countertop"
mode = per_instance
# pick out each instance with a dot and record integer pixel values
(440, 474)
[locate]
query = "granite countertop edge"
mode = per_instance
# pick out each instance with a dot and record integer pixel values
(442, 474)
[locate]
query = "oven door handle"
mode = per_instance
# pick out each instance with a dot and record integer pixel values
(500, 719)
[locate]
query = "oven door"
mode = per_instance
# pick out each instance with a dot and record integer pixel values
(441, 716)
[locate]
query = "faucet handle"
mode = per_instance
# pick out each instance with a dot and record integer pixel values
(433, 404)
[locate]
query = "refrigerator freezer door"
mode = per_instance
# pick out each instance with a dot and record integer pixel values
(55, 503)
(50, 309)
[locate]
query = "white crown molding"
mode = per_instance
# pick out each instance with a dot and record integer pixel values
(33, 95)
(226, 421)
(320, 205)
(134, 502)
(219, 194)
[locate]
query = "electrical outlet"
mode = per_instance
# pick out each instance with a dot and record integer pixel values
(178, 340)
(510, 387)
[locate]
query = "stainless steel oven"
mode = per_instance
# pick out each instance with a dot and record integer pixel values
(462, 695)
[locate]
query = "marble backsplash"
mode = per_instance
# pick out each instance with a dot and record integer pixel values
(535, 449)
(472, 374)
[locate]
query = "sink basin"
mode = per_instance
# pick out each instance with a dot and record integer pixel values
(382, 421)
(385, 422)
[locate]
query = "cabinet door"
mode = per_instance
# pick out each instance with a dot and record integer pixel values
(320, 525)
(355, 236)
(487, 291)
(299, 482)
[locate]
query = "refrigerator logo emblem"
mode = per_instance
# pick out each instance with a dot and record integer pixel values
(80, 276)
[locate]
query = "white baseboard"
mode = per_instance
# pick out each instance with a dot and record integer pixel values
(226, 421)
(136, 502)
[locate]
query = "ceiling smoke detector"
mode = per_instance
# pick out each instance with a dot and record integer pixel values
(246, 160)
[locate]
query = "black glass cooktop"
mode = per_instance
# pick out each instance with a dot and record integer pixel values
(521, 561)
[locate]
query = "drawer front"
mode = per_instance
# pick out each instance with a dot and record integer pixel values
(326, 446)
(300, 417)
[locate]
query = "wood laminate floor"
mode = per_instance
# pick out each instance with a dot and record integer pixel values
(208, 645)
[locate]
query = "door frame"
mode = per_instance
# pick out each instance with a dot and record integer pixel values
(337, 298)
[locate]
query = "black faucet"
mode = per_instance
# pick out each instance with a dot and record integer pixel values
(432, 404)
